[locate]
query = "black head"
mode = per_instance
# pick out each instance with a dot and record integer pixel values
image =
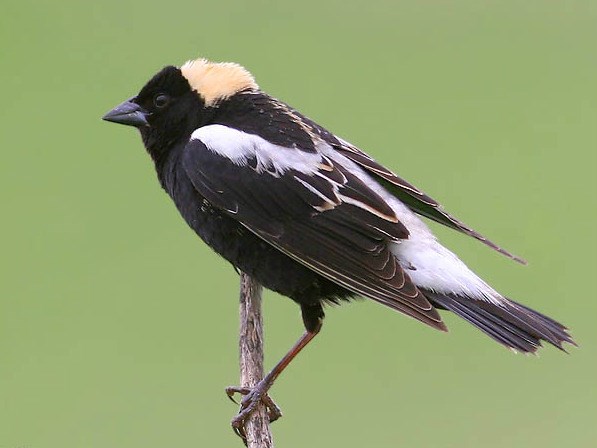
(176, 101)
(166, 111)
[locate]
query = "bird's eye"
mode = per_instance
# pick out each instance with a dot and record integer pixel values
(161, 100)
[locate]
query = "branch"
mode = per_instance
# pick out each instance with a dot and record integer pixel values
(251, 359)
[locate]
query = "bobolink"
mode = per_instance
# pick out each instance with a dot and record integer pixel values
(306, 213)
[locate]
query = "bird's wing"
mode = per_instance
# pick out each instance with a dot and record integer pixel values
(414, 198)
(310, 208)
(408, 194)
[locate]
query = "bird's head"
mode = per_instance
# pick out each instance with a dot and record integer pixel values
(178, 100)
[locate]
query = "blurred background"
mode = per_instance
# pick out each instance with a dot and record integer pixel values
(118, 327)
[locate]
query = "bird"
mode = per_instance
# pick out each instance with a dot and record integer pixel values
(308, 214)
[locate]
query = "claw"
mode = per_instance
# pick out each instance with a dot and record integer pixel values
(231, 390)
(252, 397)
(273, 411)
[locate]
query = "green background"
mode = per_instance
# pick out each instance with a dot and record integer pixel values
(118, 327)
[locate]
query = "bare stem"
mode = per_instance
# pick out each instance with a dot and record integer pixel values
(251, 359)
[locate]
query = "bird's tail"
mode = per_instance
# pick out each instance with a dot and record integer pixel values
(511, 324)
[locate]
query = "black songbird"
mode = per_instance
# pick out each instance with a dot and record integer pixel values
(306, 213)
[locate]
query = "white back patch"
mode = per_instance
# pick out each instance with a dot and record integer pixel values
(240, 146)
(435, 267)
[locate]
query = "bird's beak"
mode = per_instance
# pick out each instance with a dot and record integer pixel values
(129, 113)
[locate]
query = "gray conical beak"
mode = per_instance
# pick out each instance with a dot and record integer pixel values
(128, 113)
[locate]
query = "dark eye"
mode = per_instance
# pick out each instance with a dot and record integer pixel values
(161, 100)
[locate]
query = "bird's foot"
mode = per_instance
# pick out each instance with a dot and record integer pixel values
(252, 396)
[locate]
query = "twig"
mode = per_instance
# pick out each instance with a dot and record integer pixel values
(251, 359)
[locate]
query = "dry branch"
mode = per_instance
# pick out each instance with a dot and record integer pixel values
(257, 429)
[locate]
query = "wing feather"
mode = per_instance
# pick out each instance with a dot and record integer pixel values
(321, 216)
(407, 193)
(415, 199)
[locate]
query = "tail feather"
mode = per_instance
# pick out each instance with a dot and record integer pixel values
(509, 323)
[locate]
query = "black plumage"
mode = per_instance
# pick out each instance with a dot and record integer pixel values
(512, 324)
(272, 209)
(307, 214)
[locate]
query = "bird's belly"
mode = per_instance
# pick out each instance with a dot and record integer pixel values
(252, 255)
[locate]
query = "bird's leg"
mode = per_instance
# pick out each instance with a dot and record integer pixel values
(273, 411)
(258, 393)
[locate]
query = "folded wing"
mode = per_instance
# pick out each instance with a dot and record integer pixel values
(407, 193)
(310, 208)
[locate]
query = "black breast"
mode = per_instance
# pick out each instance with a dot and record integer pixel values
(241, 247)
